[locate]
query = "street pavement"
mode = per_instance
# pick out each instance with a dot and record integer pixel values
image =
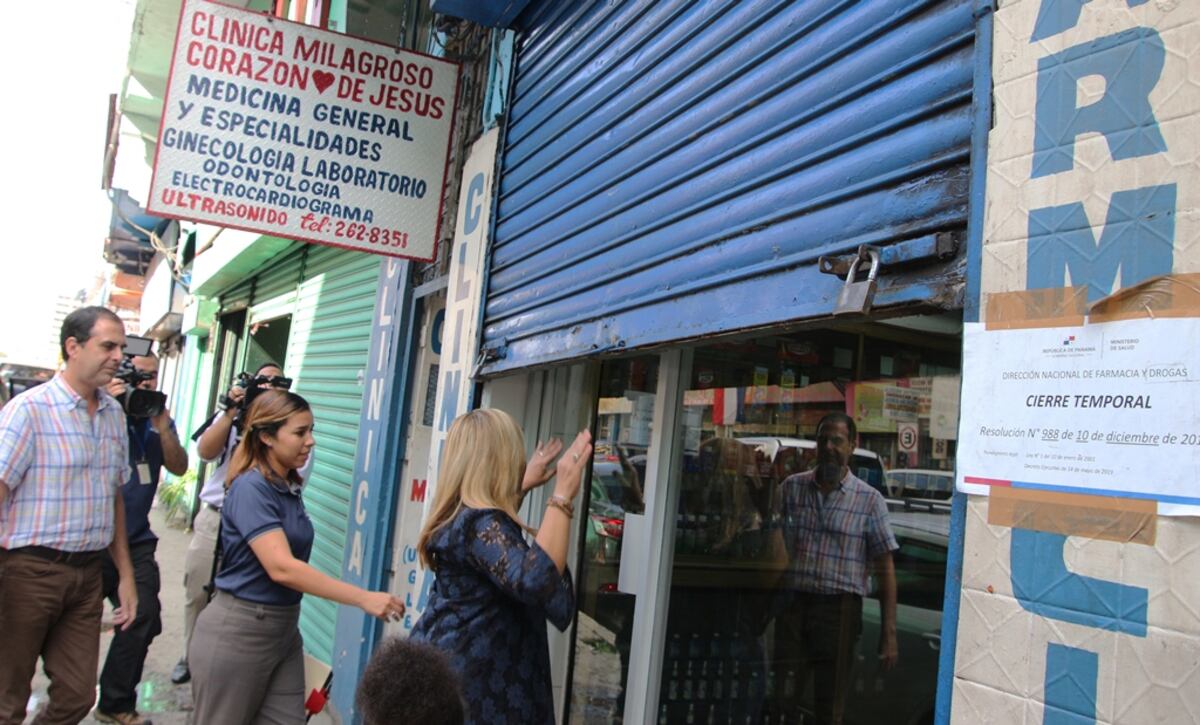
(158, 699)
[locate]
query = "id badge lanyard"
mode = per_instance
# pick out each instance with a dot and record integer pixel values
(138, 440)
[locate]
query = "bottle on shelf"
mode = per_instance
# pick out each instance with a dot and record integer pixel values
(755, 687)
(689, 534)
(715, 646)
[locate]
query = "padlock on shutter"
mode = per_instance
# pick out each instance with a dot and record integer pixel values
(856, 297)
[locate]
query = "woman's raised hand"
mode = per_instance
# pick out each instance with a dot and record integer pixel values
(382, 605)
(538, 471)
(570, 466)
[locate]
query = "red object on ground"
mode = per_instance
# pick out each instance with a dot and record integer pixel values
(315, 702)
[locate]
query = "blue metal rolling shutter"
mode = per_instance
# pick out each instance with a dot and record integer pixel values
(327, 355)
(675, 169)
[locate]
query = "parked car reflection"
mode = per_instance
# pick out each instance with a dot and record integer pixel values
(906, 695)
(920, 483)
(604, 612)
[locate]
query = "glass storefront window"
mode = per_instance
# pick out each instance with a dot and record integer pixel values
(393, 22)
(779, 586)
(604, 624)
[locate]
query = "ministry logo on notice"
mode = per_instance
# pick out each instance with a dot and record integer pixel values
(1068, 348)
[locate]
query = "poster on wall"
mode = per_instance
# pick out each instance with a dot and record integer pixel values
(414, 475)
(1110, 409)
(459, 329)
(900, 404)
(864, 403)
(943, 412)
(293, 131)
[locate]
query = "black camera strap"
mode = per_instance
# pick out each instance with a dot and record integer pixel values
(218, 559)
(229, 444)
(205, 426)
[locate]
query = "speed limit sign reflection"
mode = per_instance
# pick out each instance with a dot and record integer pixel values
(908, 435)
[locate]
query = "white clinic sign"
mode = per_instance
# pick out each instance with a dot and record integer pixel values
(297, 132)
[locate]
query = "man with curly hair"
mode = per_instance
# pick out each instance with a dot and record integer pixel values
(410, 682)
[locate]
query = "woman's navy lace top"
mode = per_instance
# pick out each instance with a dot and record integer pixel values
(488, 609)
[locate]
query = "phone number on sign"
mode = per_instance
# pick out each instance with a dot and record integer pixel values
(356, 232)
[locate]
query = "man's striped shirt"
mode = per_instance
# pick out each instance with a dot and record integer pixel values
(832, 539)
(63, 468)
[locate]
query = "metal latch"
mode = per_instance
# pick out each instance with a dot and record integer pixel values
(489, 354)
(856, 297)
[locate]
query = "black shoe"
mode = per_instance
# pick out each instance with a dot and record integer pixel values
(121, 718)
(181, 673)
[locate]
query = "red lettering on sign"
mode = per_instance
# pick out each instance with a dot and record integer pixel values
(418, 489)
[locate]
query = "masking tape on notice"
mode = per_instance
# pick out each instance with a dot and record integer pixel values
(1125, 520)
(1169, 295)
(1027, 309)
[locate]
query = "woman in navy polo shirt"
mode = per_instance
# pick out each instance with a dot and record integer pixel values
(246, 652)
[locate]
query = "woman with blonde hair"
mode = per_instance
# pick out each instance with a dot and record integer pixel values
(494, 592)
(246, 653)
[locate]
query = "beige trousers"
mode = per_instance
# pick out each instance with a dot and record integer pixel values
(197, 569)
(247, 664)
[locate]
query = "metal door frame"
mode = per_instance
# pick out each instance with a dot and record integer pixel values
(653, 597)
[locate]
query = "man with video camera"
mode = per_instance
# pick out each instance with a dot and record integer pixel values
(153, 445)
(215, 442)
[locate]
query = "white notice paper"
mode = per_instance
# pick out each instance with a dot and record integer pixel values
(1110, 408)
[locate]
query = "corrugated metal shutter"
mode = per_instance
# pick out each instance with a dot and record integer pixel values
(675, 169)
(275, 288)
(238, 296)
(327, 355)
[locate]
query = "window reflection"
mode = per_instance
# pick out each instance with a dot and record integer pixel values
(605, 621)
(392, 22)
(777, 599)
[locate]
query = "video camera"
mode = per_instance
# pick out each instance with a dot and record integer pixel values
(138, 402)
(252, 384)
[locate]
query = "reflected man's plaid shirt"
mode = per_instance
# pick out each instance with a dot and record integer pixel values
(62, 467)
(831, 540)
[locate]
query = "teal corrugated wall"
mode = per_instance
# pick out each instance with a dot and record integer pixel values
(237, 297)
(275, 289)
(327, 356)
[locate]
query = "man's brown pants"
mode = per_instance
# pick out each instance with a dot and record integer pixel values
(53, 611)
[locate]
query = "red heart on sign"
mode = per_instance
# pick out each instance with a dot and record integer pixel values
(322, 80)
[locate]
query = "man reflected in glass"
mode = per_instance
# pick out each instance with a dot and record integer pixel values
(831, 536)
